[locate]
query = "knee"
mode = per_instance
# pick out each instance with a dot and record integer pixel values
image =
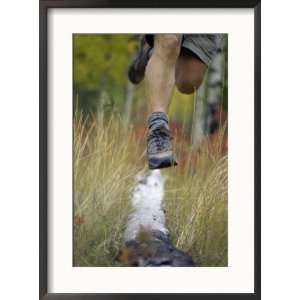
(189, 74)
(168, 45)
(188, 84)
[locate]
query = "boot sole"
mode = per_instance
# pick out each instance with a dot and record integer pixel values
(162, 160)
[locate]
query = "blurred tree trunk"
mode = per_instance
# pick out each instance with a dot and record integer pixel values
(208, 98)
(199, 117)
(129, 93)
(214, 95)
(215, 79)
(103, 102)
(100, 110)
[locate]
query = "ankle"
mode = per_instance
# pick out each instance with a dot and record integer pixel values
(158, 119)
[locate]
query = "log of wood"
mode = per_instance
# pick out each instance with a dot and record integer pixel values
(147, 241)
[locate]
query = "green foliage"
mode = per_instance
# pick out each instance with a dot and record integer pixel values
(102, 59)
(100, 66)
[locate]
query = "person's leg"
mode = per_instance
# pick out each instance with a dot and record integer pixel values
(190, 71)
(163, 66)
(160, 82)
(190, 68)
(160, 71)
(136, 70)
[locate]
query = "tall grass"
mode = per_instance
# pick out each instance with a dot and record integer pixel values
(107, 159)
(104, 172)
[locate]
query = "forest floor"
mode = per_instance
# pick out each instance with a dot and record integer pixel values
(107, 160)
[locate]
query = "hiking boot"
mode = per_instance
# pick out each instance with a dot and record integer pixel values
(136, 71)
(159, 147)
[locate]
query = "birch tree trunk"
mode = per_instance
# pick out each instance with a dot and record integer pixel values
(199, 117)
(208, 98)
(214, 95)
(215, 79)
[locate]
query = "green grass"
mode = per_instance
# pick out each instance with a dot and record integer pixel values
(107, 159)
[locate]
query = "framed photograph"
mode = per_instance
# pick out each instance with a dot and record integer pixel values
(150, 149)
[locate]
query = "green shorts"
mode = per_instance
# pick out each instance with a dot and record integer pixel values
(205, 46)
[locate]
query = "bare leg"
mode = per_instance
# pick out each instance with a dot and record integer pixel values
(190, 71)
(160, 71)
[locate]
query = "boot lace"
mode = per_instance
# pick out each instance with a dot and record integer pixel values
(159, 140)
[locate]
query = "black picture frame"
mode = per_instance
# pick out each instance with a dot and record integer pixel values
(43, 143)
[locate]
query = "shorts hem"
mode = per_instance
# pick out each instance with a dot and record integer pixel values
(197, 51)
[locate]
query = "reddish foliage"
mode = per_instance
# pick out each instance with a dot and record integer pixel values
(140, 131)
(215, 144)
(79, 220)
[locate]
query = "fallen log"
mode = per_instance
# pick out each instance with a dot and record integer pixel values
(147, 241)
